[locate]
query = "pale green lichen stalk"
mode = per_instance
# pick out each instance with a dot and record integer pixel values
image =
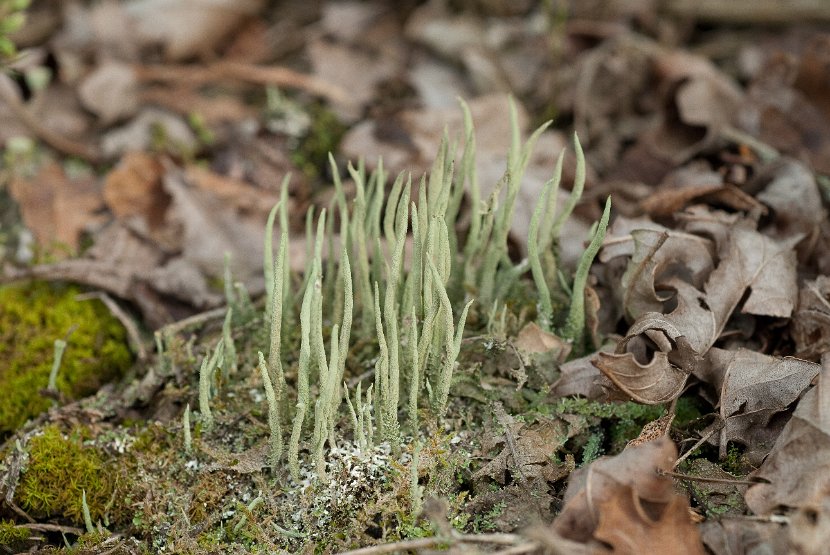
(411, 309)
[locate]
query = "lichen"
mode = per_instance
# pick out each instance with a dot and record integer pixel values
(32, 317)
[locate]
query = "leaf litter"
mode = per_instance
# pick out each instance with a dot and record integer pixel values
(144, 140)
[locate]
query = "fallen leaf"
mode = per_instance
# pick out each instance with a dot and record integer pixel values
(657, 257)
(57, 208)
(110, 92)
(810, 527)
(701, 99)
(745, 537)
(632, 527)
(372, 48)
(811, 322)
(139, 134)
(798, 213)
(624, 501)
(798, 467)
(534, 340)
(645, 376)
(133, 190)
(187, 29)
(527, 454)
(581, 377)
(752, 389)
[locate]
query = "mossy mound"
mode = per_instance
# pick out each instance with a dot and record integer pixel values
(32, 317)
(60, 469)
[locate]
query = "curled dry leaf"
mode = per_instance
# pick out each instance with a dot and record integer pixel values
(753, 388)
(624, 502)
(798, 467)
(701, 100)
(133, 191)
(679, 339)
(657, 257)
(650, 378)
(631, 527)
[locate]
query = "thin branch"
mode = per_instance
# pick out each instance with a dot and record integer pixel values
(223, 70)
(426, 543)
(689, 478)
(126, 320)
(699, 442)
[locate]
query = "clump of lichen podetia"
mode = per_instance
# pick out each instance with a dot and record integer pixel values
(32, 317)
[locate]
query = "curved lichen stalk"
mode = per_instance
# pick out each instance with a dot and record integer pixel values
(574, 327)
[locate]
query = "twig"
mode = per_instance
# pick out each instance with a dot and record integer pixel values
(527, 547)
(506, 420)
(43, 527)
(690, 478)
(699, 442)
(195, 320)
(424, 543)
(51, 138)
(125, 319)
(262, 75)
(775, 519)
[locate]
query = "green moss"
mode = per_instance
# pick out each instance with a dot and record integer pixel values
(11, 536)
(323, 136)
(688, 410)
(623, 421)
(32, 317)
(60, 469)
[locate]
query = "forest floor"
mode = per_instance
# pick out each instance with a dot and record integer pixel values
(200, 354)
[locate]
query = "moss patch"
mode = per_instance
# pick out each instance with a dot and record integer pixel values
(32, 317)
(60, 469)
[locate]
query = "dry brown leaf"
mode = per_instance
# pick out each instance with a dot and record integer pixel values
(793, 195)
(753, 261)
(786, 117)
(810, 527)
(371, 46)
(701, 100)
(211, 227)
(636, 467)
(527, 454)
(581, 377)
(811, 322)
(138, 134)
(110, 91)
(744, 537)
(798, 467)
(533, 340)
(187, 29)
(646, 375)
(752, 389)
(133, 190)
(657, 257)
(678, 340)
(632, 527)
(56, 208)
